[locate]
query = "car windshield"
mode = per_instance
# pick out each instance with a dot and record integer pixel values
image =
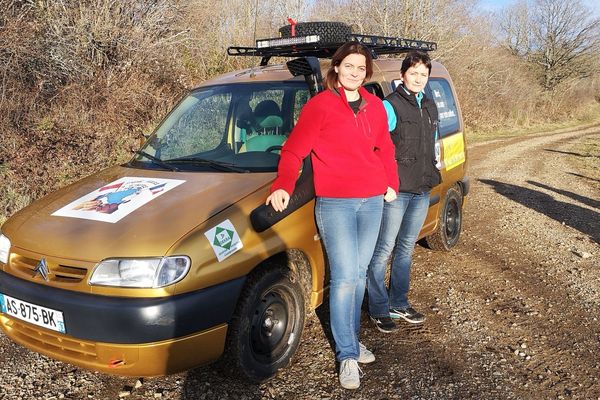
(228, 128)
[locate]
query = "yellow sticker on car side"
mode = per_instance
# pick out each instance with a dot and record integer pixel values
(454, 151)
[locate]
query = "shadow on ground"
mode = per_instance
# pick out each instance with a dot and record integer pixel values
(583, 219)
(584, 177)
(570, 153)
(577, 197)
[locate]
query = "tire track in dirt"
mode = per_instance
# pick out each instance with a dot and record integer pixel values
(523, 254)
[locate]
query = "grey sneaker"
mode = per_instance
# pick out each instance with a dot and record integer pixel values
(408, 314)
(365, 356)
(350, 374)
(384, 324)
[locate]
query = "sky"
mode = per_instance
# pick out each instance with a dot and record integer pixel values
(495, 5)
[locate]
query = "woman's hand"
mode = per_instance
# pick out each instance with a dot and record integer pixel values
(390, 195)
(279, 199)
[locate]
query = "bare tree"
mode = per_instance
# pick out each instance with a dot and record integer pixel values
(515, 27)
(561, 37)
(567, 39)
(444, 21)
(298, 10)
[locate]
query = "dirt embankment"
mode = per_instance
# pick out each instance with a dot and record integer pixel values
(512, 311)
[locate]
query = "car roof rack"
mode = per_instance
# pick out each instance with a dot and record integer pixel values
(312, 46)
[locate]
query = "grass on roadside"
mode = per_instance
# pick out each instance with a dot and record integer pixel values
(11, 200)
(586, 158)
(587, 117)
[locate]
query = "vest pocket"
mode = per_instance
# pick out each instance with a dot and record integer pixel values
(407, 149)
(407, 139)
(406, 161)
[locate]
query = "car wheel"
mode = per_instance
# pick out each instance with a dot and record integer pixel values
(449, 224)
(266, 328)
(329, 32)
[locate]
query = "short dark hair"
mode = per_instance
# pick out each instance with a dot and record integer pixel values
(331, 78)
(413, 58)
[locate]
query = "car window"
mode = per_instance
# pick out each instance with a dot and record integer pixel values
(259, 96)
(243, 125)
(439, 90)
(300, 98)
(395, 83)
(374, 88)
(199, 126)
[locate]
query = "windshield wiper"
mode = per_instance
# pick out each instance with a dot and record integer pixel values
(157, 161)
(220, 165)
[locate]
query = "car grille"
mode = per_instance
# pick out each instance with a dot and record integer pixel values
(62, 273)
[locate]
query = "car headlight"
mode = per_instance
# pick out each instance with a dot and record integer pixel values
(140, 273)
(4, 249)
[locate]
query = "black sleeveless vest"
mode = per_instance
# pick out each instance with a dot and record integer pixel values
(414, 138)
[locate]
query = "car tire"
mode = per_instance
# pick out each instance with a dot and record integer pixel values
(268, 323)
(329, 32)
(449, 223)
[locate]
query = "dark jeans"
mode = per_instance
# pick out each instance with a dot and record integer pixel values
(402, 221)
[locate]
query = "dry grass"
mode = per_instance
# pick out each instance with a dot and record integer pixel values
(586, 116)
(586, 158)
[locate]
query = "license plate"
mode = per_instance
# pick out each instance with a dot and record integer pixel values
(32, 313)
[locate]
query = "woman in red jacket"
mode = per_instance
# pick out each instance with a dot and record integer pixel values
(344, 129)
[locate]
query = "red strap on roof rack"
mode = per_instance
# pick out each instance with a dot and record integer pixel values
(293, 24)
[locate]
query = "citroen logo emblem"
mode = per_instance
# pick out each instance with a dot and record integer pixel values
(42, 269)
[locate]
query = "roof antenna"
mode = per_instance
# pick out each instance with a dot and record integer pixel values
(255, 14)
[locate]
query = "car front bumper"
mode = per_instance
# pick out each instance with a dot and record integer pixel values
(126, 336)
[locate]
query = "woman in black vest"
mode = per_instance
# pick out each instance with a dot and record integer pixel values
(413, 121)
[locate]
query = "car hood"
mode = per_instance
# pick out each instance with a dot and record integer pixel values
(149, 230)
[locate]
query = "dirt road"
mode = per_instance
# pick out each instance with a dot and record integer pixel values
(512, 311)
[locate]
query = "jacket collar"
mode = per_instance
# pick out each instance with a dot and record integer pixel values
(411, 98)
(342, 95)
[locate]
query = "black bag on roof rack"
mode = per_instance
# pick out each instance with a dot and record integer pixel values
(329, 32)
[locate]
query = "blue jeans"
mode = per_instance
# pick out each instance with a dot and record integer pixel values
(348, 228)
(402, 221)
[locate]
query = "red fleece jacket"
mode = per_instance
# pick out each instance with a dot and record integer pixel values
(352, 156)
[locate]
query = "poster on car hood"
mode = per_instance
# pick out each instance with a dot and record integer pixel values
(117, 199)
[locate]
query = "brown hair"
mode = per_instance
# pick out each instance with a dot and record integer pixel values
(413, 58)
(331, 78)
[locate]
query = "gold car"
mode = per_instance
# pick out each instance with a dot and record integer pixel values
(171, 261)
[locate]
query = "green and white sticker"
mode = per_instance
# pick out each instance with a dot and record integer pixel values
(224, 239)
